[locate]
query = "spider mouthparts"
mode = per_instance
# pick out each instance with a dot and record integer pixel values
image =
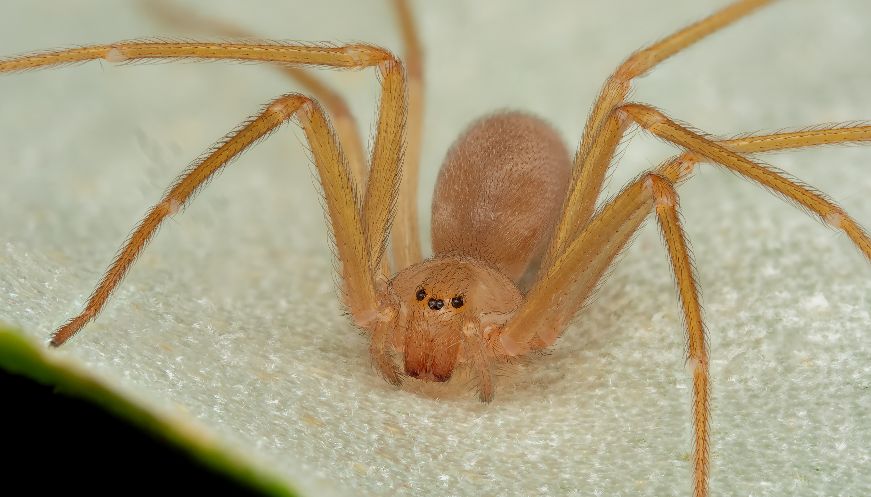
(426, 375)
(431, 357)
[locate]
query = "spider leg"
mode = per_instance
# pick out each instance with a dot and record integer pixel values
(814, 137)
(657, 123)
(679, 169)
(405, 241)
(581, 267)
(359, 235)
(594, 155)
(385, 174)
(571, 280)
(582, 196)
(562, 287)
(340, 193)
(405, 235)
(355, 56)
(666, 201)
(406, 232)
(190, 21)
(725, 153)
(568, 284)
(289, 56)
(612, 228)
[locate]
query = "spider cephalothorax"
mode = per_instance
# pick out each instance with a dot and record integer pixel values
(449, 308)
(487, 233)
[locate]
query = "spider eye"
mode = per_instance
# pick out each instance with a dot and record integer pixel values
(421, 294)
(457, 302)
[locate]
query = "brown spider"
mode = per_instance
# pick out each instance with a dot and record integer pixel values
(519, 246)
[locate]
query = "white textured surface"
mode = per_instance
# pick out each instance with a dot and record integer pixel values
(231, 315)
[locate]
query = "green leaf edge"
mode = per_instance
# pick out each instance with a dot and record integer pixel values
(21, 355)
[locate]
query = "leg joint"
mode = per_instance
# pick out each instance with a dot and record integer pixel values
(390, 65)
(635, 65)
(287, 105)
(644, 115)
(662, 189)
(363, 55)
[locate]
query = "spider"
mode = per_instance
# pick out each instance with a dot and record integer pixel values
(510, 270)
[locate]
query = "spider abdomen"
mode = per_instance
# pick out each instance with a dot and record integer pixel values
(500, 190)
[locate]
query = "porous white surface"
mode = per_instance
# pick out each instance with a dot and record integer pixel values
(230, 317)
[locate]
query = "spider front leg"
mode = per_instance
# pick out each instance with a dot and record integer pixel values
(574, 275)
(665, 199)
(190, 21)
(600, 136)
(567, 285)
(655, 122)
(339, 190)
(406, 232)
(359, 233)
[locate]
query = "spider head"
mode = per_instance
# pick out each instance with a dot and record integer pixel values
(438, 299)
